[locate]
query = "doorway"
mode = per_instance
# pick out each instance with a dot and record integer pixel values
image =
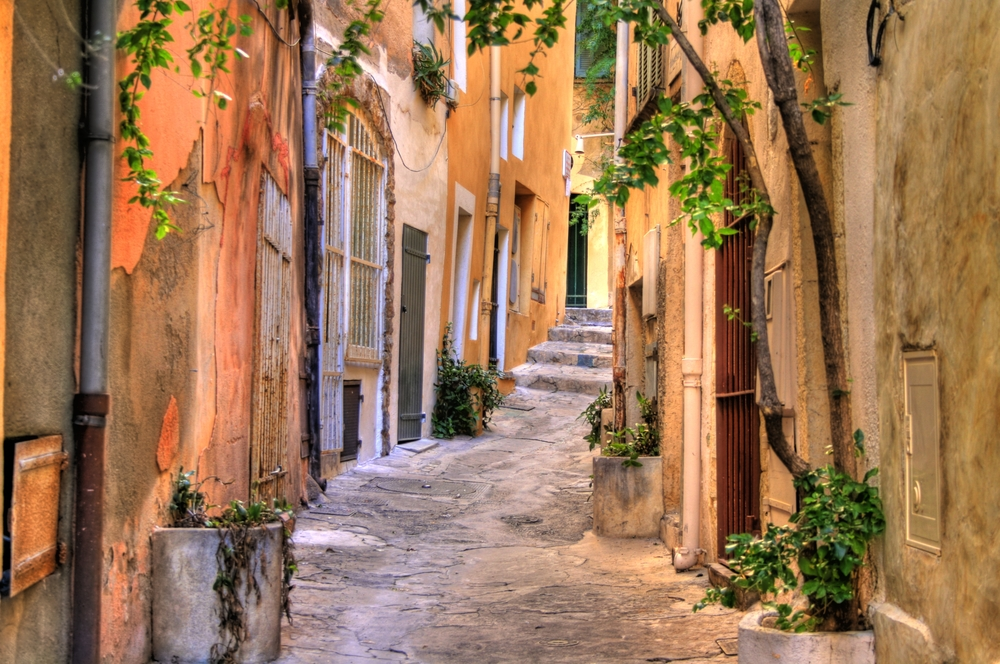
(411, 333)
(576, 257)
(737, 417)
(498, 331)
(460, 281)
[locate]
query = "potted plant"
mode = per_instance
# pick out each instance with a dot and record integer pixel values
(628, 475)
(220, 583)
(466, 395)
(807, 573)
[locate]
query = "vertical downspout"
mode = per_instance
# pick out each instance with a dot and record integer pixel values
(92, 404)
(313, 227)
(621, 235)
(492, 208)
(686, 555)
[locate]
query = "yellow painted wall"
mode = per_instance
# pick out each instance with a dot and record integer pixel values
(548, 126)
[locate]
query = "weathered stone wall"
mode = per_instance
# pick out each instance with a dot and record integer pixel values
(936, 239)
(42, 220)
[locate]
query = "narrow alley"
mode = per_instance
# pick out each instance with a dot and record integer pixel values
(480, 550)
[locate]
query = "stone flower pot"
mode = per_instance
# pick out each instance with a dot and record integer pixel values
(764, 645)
(186, 608)
(628, 502)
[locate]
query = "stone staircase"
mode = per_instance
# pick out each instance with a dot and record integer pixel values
(576, 357)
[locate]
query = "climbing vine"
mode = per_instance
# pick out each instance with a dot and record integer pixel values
(213, 31)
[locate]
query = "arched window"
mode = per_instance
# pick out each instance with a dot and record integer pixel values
(353, 301)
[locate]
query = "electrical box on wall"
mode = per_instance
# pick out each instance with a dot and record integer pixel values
(923, 468)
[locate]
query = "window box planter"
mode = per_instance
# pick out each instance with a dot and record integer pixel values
(765, 645)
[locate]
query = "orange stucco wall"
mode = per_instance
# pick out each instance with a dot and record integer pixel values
(183, 308)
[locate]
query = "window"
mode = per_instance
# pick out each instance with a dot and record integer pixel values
(519, 104)
(458, 57)
(269, 423)
(352, 302)
(504, 124)
(584, 56)
(649, 73)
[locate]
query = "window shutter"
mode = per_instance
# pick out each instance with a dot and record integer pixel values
(922, 430)
(34, 511)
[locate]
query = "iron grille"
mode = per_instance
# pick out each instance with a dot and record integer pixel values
(331, 314)
(269, 420)
(737, 423)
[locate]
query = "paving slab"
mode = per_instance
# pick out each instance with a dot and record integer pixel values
(480, 550)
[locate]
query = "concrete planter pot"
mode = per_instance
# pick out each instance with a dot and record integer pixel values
(760, 645)
(628, 502)
(186, 608)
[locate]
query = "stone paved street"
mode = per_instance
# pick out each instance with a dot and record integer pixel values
(480, 551)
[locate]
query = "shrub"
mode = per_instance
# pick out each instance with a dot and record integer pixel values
(456, 409)
(631, 442)
(819, 554)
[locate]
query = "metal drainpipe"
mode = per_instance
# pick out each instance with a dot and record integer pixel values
(686, 555)
(492, 209)
(92, 404)
(621, 235)
(313, 224)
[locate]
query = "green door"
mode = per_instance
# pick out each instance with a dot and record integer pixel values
(411, 333)
(576, 259)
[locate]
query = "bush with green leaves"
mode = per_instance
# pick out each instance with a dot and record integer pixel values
(464, 393)
(592, 413)
(640, 440)
(430, 76)
(818, 555)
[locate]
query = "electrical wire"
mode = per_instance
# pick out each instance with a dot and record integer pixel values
(378, 94)
(267, 19)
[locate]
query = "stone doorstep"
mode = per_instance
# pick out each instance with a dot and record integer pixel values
(418, 446)
(719, 576)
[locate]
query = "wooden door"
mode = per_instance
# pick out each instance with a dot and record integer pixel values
(411, 333)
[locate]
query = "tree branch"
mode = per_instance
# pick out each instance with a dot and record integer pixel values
(780, 75)
(771, 408)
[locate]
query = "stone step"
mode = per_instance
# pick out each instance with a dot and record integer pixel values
(571, 353)
(561, 378)
(581, 316)
(587, 334)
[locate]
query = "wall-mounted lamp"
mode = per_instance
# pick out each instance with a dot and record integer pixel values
(579, 140)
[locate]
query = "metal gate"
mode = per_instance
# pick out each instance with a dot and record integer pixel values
(411, 333)
(332, 305)
(737, 417)
(576, 262)
(269, 417)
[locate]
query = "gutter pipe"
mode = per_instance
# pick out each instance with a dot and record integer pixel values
(492, 208)
(313, 228)
(92, 404)
(686, 556)
(621, 235)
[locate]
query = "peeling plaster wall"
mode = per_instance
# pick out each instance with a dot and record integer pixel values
(936, 239)
(39, 121)
(183, 309)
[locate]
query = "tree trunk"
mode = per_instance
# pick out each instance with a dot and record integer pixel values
(771, 408)
(780, 74)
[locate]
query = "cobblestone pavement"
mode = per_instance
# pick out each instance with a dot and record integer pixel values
(479, 550)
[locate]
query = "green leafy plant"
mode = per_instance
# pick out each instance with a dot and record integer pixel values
(429, 76)
(818, 554)
(734, 314)
(640, 440)
(234, 555)
(821, 108)
(464, 393)
(592, 414)
(147, 43)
